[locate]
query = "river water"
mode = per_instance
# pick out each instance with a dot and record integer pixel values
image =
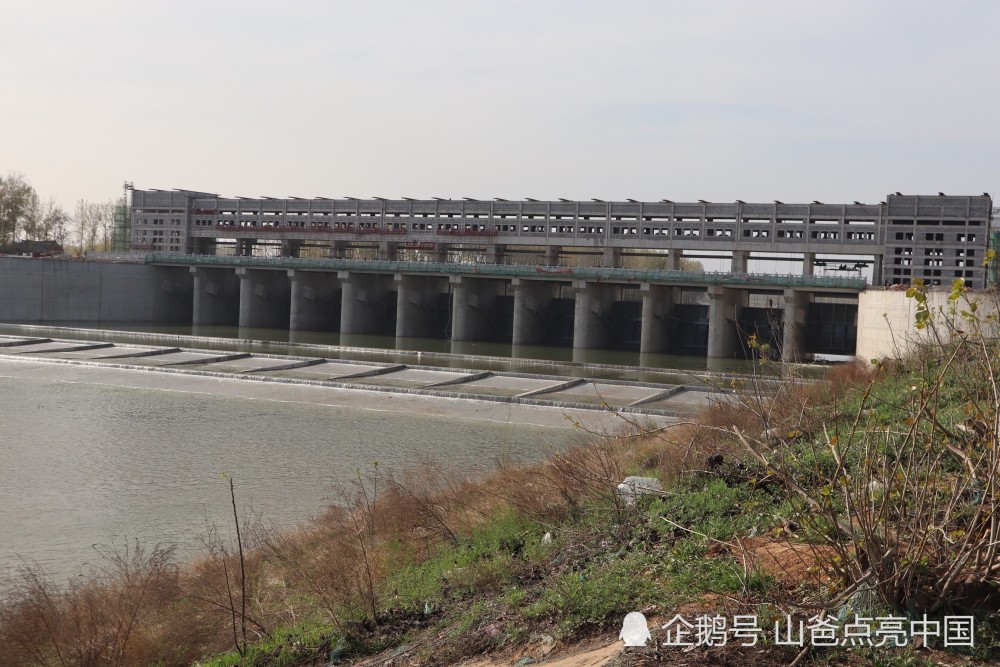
(107, 456)
(91, 456)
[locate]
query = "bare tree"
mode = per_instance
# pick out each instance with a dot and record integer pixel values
(46, 221)
(17, 201)
(57, 222)
(94, 224)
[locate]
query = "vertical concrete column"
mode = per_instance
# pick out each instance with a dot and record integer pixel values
(407, 306)
(264, 298)
(416, 302)
(495, 253)
(794, 346)
(611, 257)
(531, 298)
(355, 316)
(244, 247)
(216, 298)
(552, 253)
(338, 250)
(440, 253)
(723, 314)
(657, 306)
(674, 260)
(740, 260)
(246, 298)
(461, 318)
(314, 303)
(593, 303)
(877, 278)
(352, 300)
(201, 294)
(173, 301)
(808, 263)
(363, 302)
(473, 300)
(290, 248)
(388, 251)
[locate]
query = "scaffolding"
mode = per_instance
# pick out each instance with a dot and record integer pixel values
(122, 235)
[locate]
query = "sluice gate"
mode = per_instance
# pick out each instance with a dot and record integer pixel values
(611, 309)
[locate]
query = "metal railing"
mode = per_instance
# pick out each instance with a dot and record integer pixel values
(135, 256)
(515, 271)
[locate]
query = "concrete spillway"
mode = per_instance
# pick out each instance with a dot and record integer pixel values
(471, 385)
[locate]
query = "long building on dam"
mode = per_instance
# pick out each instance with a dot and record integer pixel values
(934, 237)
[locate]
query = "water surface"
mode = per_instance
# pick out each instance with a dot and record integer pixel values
(84, 464)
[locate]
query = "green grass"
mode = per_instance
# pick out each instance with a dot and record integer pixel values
(287, 647)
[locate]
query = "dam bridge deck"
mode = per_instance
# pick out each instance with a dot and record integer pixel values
(589, 273)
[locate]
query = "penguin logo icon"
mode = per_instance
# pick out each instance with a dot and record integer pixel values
(635, 630)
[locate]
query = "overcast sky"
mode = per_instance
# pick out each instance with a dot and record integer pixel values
(797, 100)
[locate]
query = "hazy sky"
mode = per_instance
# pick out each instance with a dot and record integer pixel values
(757, 101)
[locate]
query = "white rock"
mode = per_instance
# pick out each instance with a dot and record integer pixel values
(633, 488)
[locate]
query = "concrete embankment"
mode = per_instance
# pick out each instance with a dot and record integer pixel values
(41, 290)
(886, 319)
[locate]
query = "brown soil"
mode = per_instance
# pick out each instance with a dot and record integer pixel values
(789, 562)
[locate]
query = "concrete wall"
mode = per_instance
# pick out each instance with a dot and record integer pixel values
(886, 320)
(44, 290)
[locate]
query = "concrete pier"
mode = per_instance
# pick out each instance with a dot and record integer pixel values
(723, 314)
(590, 321)
(657, 307)
(367, 301)
(532, 300)
(216, 297)
(421, 306)
(794, 346)
(474, 308)
(315, 301)
(264, 299)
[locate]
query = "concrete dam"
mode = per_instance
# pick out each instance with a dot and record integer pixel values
(563, 273)
(584, 307)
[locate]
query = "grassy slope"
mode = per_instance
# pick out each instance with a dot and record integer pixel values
(503, 587)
